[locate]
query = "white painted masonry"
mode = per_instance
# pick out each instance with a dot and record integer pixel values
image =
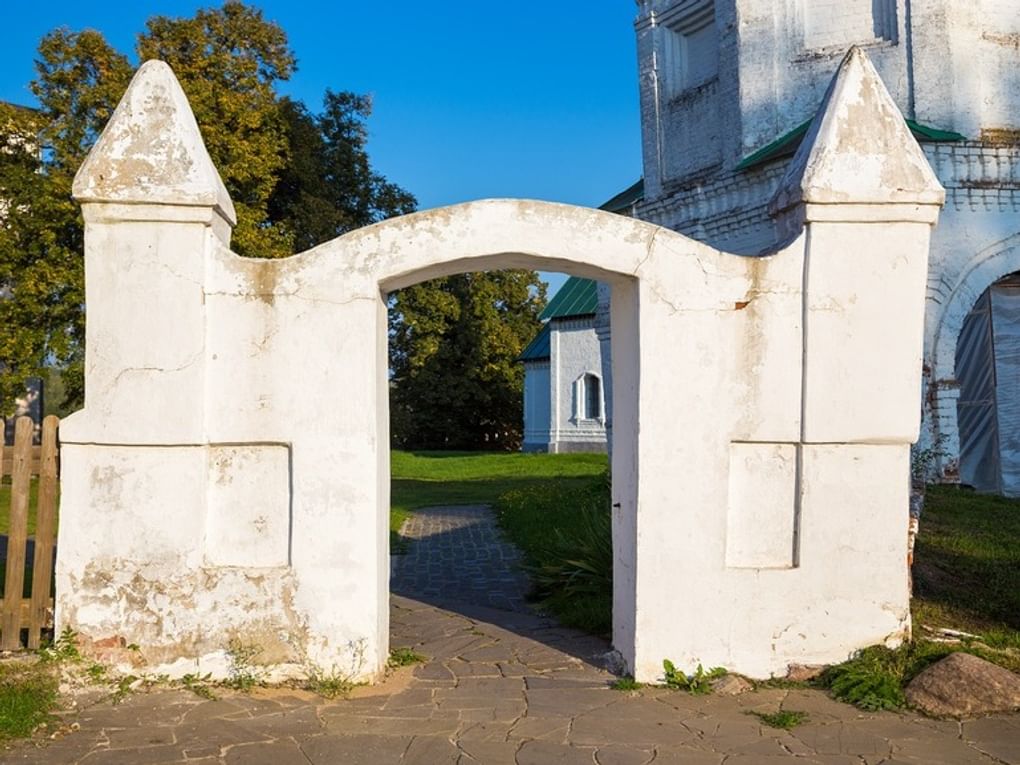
(216, 487)
(948, 65)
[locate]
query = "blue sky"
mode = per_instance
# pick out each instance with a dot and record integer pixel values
(471, 99)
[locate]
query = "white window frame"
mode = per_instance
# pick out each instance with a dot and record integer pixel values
(580, 389)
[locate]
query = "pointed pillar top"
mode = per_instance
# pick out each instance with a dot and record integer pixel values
(858, 150)
(151, 151)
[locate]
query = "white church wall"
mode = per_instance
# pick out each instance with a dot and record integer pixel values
(949, 65)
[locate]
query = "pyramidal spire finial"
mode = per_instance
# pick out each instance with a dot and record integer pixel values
(858, 149)
(151, 151)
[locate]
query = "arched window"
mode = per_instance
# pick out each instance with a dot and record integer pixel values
(588, 397)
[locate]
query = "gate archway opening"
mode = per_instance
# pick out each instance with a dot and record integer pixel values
(456, 556)
(624, 356)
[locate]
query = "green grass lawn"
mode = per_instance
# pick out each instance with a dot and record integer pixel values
(967, 565)
(425, 479)
(565, 532)
(5, 505)
(28, 695)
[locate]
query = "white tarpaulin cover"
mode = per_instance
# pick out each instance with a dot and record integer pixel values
(1006, 334)
(988, 369)
(975, 371)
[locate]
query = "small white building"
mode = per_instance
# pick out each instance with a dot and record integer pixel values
(564, 396)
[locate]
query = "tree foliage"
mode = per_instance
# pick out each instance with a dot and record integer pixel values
(454, 344)
(229, 61)
(296, 178)
(329, 187)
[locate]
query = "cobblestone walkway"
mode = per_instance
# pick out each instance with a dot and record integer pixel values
(458, 555)
(506, 688)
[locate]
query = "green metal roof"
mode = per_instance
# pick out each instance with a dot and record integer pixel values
(786, 145)
(622, 201)
(538, 349)
(577, 297)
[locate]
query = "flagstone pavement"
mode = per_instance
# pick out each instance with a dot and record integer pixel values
(505, 687)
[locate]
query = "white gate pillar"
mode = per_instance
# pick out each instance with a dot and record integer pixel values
(774, 456)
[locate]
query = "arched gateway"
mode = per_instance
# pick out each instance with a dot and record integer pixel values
(228, 477)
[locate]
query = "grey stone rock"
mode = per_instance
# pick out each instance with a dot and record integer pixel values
(801, 673)
(962, 685)
(731, 685)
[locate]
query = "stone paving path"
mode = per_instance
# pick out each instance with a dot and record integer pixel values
(502, 687)
(458, 555)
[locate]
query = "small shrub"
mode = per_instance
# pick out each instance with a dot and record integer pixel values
(200, 685)
(871, 680)
(697, 684)
(122, 688)
(244, 674)
(64, 648)
(329, 685)
(626, 684)
(784, 718)
(404, 657)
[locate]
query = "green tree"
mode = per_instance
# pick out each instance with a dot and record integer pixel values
(229, 61)
(329, 187)
(454, 344)
(79, 81)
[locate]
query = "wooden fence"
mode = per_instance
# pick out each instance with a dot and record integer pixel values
(23, 462)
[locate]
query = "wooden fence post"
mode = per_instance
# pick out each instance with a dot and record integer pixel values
(45, 525)
(17, 535)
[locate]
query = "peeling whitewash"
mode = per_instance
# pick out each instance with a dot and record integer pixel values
(229, 475)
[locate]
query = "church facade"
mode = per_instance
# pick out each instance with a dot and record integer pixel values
(727, 91)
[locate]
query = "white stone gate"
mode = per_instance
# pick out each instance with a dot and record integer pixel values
(229, 475)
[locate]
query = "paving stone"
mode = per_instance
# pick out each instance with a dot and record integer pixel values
(434, 672)
(221, 733)
(503, 711)
(559, 680)
(489, 730)
(548, 728)
(997, 736)
(292, 722)
(635, 723)
(488, 752)
(458, 554)
(548, 753)
(473, 669)
(568, 702)
(354, 750)
(820, 705)
(149, 755)
(622, 755)
(841, 738)
(276, 753)
(686, 756)
(940, 752)
(431, 750)
(395, 726)
(784, 759)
